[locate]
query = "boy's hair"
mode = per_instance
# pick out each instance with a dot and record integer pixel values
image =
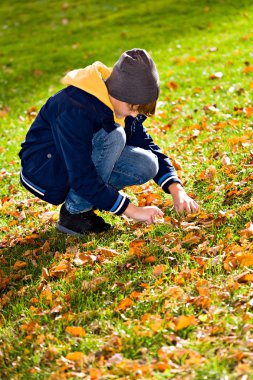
(146, 109)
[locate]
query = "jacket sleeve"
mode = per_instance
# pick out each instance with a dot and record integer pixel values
(137, 136)
(73, 131)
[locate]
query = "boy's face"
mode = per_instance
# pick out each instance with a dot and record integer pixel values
(123, 109)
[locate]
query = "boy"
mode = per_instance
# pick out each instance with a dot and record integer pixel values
(88, 142)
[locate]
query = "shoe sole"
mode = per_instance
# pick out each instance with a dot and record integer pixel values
(67, 231)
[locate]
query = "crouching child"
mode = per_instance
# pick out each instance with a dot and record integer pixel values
(88, 142)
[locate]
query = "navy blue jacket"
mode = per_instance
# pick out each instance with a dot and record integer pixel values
(56, 154)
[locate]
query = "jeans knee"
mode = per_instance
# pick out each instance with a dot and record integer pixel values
(118, 137)
(146, 164)
(151, 165)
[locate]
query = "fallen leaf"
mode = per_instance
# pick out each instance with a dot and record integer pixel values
(94, 284)
(47, 294)
(19, 264)
(217, 75)
(76, 356)
(136, 247)
(95, 373)
(159, 269)
(248, 69)
(248, 231)
(60, 269)
(184, 321)
(225, 160)
(245, 259)
(124, 304)
(75, 331)
(243, 278)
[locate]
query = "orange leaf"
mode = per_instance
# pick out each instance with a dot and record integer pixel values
(107, 252)
(75, 356)
(249, 111)
(248, 69)
(210, 173)
(172, 85)
(136, 247)
(75, 331)
(184, 321)
(159, 269)
(95, 373)
(124, 304)
(245, 259)
(135, 294)
(47, 294)
(230, 263)
(177, 165)
(60, 269)
(45, 274)
(152, 199)
(248, 230)
(46, 247)
(94, 283)
(248, 277)
(150, 259)
(19, 264)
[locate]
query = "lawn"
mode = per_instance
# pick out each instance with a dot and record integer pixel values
(166, 301)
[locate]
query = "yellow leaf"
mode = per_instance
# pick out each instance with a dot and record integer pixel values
(75, 331)
(184, 321)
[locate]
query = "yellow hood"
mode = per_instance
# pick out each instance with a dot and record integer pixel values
(91, 79)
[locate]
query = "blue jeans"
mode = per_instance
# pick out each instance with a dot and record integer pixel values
(118, 164)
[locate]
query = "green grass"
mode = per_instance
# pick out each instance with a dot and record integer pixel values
(189, 41)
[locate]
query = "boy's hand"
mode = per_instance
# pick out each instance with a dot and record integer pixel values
(182, 201)
(148, 214)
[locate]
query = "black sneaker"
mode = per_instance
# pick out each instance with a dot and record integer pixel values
(79, 224)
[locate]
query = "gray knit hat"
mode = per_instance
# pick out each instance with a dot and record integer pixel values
(134, 78)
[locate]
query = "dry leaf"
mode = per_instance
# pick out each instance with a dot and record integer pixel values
(184, 321)
(75, 331)
(95, 373)
(19, 265)
(47, 294)
(159, 269)
(210, 173)
(245, 259)
(76, 356)
(248, 231)
(217, 75)
(124, 304)
(60, 269)
(225, 160)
